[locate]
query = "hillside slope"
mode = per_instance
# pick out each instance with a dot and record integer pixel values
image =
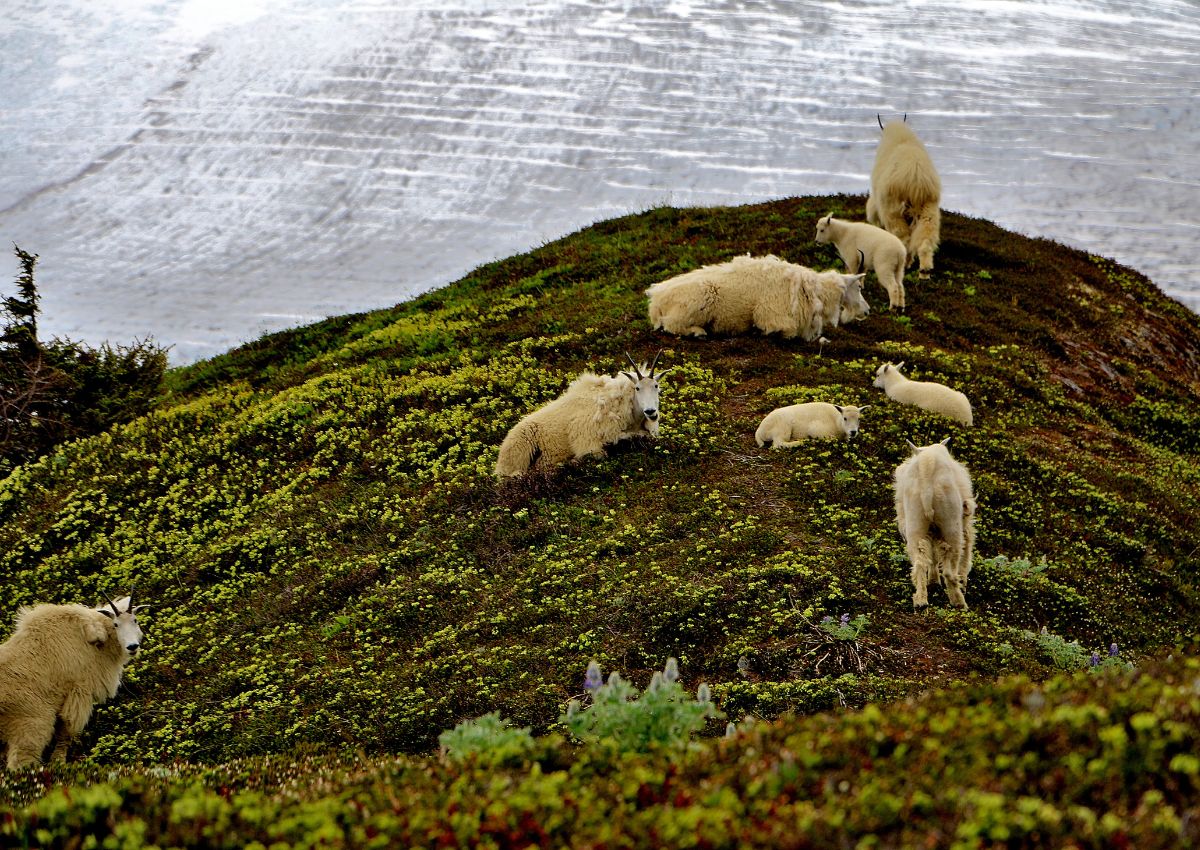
(330, 562)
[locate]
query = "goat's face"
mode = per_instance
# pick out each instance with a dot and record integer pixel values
(850, 418)
(854, 306)
(645, 396)
(882, 372)
(823, 229)
(645, 387)
(124, 617)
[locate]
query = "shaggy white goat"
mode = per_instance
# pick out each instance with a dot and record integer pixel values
(594, 411)
(936, 398)
(762, 292)
(865, 247)
(906, 193)
(935, 512)
(60, 660)
(785, 427)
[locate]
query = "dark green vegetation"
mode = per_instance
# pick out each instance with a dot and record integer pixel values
(1086, 762)
(55, 391)
(332, 565)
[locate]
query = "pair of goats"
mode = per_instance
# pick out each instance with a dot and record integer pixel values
(904, 219)
(935, 504)
(59, 661)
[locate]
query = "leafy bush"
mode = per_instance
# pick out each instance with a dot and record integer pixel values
(844, 628)
(663, 717)
(488, 737)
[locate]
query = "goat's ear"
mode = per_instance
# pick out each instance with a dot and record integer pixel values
(839, 408)
(95, 633)
(663, 372)
(945, 441)
(137, 608)
(630, 377)
(911, 447)
(900, 365)
(107, 613)
(864, 407)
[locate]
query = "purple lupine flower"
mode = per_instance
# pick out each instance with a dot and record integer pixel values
(593, 680)
(845, 619)
(1094, 660)
(827, 619)
(1112, 651)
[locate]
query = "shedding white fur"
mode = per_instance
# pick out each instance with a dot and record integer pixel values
(594, 411)
(906, 194)
(59, 661)
(766, 293)
(935, 512)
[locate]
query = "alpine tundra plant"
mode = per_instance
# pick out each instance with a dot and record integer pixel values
(663, 717)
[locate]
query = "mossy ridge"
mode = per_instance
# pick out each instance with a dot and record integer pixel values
(287, 508)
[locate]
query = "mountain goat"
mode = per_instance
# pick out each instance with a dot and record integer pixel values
(785, 427)
(594, 411)
(935, 512)
(865, 247)
(906, 193)
(60, 660)
(762, 292)
(936, 398)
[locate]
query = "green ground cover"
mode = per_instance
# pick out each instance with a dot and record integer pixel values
(334, 570)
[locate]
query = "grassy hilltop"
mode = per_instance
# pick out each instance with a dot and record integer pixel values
(334, 570)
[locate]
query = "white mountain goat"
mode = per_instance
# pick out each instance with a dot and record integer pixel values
(59, 661)
(865, 247)
(767, 293)
(906, 193)
(594, 411)
(934, 397)
(789, 426)
(935, 512)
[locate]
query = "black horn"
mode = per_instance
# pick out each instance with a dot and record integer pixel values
(636, 370)
(654, 362)
(111, 604)
(880, 120)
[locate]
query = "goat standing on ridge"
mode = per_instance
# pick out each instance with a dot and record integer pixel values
(59, 661)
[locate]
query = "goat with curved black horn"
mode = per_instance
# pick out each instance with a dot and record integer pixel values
(116, 612)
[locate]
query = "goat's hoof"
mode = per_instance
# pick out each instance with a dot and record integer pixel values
(917, 609)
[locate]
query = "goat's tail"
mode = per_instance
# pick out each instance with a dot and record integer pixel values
(519, 451)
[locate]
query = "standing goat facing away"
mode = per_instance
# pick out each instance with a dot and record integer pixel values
(906, 193)
(766, 293)
(594, 411)
(59, 661)
(935, 512)
(864, 247)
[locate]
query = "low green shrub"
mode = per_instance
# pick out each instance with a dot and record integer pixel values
(663, 717)
(489, 737)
